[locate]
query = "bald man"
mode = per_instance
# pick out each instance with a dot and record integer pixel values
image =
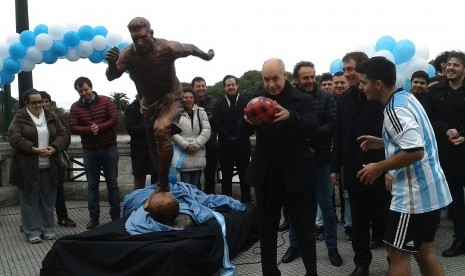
(150, 62)
(281, 169)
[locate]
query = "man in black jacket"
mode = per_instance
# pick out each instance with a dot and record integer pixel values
(208, 103)
(140, 157)
(446, 110)
(320, 146)
(281, 170)
(233, 149)
(357, 116)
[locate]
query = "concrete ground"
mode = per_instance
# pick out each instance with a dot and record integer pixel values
(19, 258)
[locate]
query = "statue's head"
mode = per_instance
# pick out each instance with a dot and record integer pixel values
(142, 35)
(138, 23)
(162, 207)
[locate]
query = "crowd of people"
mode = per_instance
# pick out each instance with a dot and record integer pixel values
(353, 130)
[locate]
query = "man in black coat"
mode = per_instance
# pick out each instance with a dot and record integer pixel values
(357, 116)
(281, 170)
(208, 103)
(446, 110)
(233, 149)
(140, 154)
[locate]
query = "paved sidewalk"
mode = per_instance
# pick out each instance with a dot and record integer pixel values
(19, 258)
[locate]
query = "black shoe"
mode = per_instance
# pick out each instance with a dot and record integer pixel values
(285, 225)
(457, 248)
(320, 233)
(94, 222)
(66, 222)
(360, 271)
(376, 244)
(291, 254)
(348, 233)
(246, 199)
(334, 257)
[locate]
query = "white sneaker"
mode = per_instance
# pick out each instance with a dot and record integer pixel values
(50, 236)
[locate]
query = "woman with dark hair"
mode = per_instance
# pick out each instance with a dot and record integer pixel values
(191, 141)
(37, 136)
(60, 205)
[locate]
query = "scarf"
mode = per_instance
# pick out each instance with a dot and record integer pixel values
(39, 122)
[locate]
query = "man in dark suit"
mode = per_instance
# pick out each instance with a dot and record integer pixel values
(281, 170)
(233, 149)
(357, 116)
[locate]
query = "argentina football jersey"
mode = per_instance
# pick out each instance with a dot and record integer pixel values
(420, 187)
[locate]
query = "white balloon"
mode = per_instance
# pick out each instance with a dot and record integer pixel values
(421, 51)
(27, 65)
(114, 39)
(99, 42)
(44, 42)
(385, 53)
(33, 54)
(400, 80)
(4, 51)
(56, 32)
(367, 48)
(12, 38)
(72, 55)
(411, 66)
(84, 49)
(416, 64)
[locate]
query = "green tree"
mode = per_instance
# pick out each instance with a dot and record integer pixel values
(250, 83)
(120, 100)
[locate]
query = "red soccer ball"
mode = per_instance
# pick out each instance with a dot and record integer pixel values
(260, 110)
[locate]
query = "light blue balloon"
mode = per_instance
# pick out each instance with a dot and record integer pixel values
(385, 43)
(431, 71)
(122, 45)
(100, 30)
(403, 51)
(7, 77)
(27, 38)
(336, 66)
(86, 32)
(17, 50)
(407, 85)
(59, 48)
(50, 57)
(71, 39)
(11, 65)
(40, 29)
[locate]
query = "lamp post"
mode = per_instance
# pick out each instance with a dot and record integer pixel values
(22, 24)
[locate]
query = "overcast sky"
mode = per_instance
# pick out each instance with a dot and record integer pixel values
(243, 33)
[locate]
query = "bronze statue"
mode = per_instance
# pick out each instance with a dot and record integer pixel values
(150, 62)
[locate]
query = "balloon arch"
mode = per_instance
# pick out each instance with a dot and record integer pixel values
(407, 56)
(47, 44)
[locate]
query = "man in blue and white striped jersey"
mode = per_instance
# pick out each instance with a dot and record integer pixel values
(416, 180)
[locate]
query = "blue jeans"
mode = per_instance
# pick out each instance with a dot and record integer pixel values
(323, 194)
(105, 159)
(347, 212)
(191, 177)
